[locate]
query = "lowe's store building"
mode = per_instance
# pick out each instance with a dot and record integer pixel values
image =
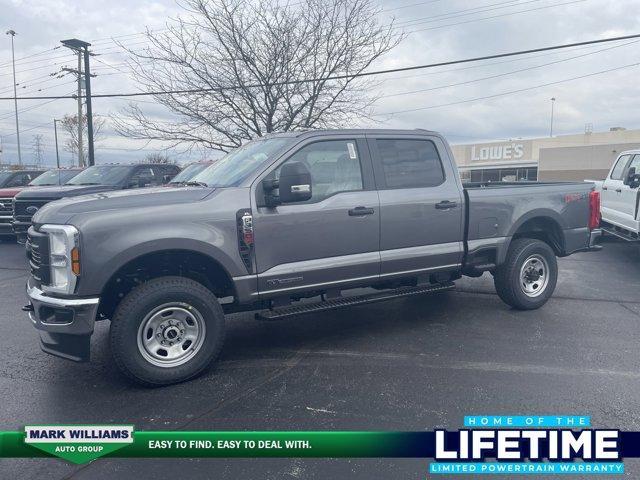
(563, 157)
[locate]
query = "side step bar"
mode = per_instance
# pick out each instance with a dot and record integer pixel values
(620, 232)
(286, 312)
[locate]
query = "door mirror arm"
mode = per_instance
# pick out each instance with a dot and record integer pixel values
(271, 199)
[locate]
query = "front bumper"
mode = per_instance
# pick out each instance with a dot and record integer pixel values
(5, 225)
(65, 324)
(20, 229)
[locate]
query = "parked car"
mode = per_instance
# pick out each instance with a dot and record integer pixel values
(11, 183)
(283, 218)
(18, 178)
(619, 192)
(98, 178)
(188, 173)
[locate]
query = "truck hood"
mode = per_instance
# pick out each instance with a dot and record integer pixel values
(62, 210)
(62, 191)
(10, 192)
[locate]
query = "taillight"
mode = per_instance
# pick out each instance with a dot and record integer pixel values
(594, 209)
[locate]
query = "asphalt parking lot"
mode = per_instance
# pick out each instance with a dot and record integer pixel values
(408, 364)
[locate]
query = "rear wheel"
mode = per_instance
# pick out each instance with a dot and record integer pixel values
(166, 331)
(528, 276)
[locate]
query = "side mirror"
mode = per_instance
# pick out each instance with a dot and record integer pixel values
(167, 178)
(294, 183)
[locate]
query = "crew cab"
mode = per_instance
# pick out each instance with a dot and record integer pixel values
(56, 176)
(98, 178)
(284, 225)
(620, 197)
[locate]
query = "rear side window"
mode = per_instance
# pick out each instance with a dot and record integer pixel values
(410, 163)
(618, 170)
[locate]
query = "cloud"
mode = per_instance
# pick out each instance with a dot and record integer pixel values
(444, 30)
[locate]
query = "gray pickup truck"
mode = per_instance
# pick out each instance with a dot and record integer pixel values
(286, 225)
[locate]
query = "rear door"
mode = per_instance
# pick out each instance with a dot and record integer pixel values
(331, 240)
(421, 205)
(612, 204)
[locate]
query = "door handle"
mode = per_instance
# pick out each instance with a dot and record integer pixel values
(446, 205)
(361, 211)
(619, 190)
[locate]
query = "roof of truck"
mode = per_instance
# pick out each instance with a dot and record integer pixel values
(353, 131)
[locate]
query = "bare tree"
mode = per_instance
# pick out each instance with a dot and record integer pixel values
(235, 68)
(70, 126)
(38, 148)
(157, 157)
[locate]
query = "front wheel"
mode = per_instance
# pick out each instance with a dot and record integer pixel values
(528, 276)
(166, 331)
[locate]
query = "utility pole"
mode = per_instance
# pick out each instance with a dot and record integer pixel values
(553, 101)
(82, 49)
(15, 94)
(55, 132)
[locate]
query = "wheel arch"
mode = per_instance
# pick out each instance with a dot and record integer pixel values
(542, 224)
(182, 262)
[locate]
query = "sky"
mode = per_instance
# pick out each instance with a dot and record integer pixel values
(490, 100)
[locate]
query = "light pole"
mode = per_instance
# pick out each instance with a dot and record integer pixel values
(15, 95)
(55, 132)
(553, 101)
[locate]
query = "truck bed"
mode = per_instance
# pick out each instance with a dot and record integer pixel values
(496, 212)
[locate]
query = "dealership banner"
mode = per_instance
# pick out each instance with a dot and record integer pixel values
(486, 445)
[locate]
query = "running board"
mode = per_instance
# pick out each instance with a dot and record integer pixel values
(620, 232)
(286, 312)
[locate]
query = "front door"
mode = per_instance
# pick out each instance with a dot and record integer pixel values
(612, 203)
(421, 206)
(628, 199)
(331, 240)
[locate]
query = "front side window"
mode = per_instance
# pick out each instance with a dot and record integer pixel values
(334, 166)
(635, 163)
(618, 170)
(410, 163)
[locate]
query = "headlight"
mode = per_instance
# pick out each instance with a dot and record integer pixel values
(64, 258)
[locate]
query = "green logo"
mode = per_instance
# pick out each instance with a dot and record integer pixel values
(78, 443)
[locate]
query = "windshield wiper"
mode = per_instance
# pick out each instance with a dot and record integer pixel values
(87, 183)
(196, 184)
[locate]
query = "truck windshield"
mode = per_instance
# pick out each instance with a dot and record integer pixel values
(236, 166)
(54, 177)
(4, 178)
(101, 175)
(189, 172)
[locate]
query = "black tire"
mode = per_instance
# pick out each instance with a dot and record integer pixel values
(507, 277)
(141, 302)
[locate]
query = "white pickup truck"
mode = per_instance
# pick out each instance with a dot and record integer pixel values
(619, 195)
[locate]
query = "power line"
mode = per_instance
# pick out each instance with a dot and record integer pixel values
(495, 16)
(504, 74)
(344, 76)
(462, 13)
(501, 94)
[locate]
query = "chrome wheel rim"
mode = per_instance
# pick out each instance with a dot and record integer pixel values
(534, 275)
(171, 334)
